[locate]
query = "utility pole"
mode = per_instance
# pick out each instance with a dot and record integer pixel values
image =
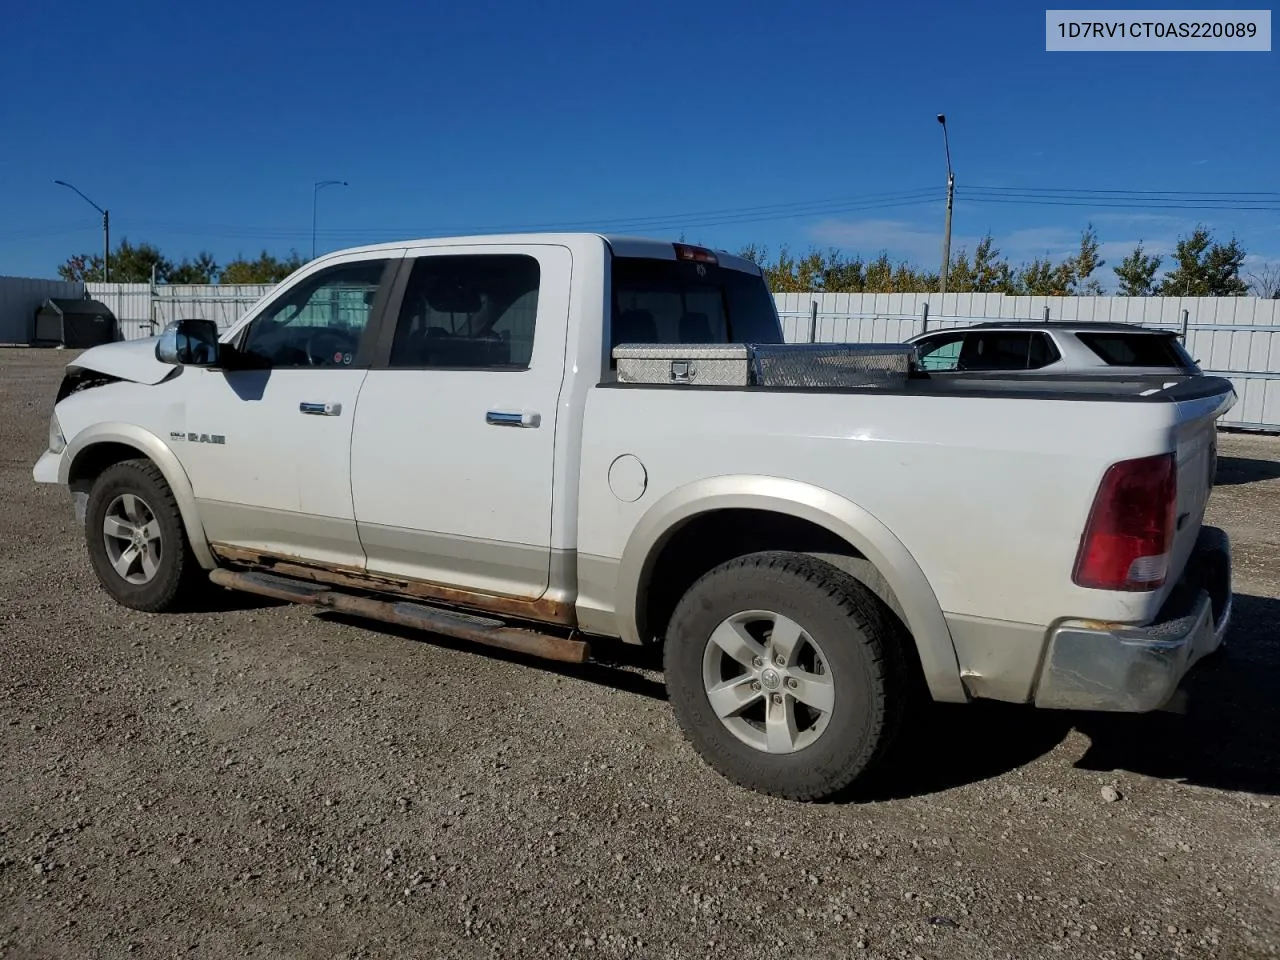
(315, 192)
(951, 195)
(106, 230)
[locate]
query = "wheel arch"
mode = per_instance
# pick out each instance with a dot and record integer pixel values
(94, 449)
(844, 523)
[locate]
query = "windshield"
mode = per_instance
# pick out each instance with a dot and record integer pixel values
(672, 301)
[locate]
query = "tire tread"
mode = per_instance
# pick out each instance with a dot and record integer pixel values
(185, 579)
(883, 637)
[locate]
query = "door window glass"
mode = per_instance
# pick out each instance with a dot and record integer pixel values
(940, 353)
(318, 322)
(474, 311)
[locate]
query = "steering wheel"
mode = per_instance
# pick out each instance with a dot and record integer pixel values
(324, 344)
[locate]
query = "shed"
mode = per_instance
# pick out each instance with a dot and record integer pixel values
(75, 323)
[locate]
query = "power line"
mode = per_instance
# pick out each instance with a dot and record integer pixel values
(1120, 204)
(1132, 199)
(659, 221)
(1088, 190)
(48, 230)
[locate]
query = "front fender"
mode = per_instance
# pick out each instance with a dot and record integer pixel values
(819, 506)
(152, 447)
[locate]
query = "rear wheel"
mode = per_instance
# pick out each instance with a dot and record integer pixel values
(785, 674)
(137, 543)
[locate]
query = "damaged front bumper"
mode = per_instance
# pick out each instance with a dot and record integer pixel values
(1120, 667)
(46, 468)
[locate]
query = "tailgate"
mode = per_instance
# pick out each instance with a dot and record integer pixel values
(1199, 402)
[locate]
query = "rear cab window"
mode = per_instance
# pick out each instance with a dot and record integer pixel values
(681, 301)
(1120, 349)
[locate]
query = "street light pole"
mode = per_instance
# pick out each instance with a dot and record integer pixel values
(951, 195)
(106, 230)
(315, 192)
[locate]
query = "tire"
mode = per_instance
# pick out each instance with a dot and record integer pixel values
(848, 658)
(163, 574)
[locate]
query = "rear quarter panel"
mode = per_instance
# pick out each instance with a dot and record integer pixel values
(989, 496)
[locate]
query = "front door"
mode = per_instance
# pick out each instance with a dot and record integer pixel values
(267, 443)
(453, 451)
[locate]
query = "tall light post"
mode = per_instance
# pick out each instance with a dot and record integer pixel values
(106, 230)
(951, 195)
(320, 185)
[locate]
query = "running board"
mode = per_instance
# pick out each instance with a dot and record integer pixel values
(449, 623)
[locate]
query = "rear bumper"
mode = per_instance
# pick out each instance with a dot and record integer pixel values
(1120, 667)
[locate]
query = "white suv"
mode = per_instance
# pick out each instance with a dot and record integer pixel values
(1054, 348)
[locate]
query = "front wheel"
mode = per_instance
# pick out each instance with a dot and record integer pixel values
(785, 674)
(136, 540)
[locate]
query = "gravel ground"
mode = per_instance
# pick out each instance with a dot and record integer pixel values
(263, 781)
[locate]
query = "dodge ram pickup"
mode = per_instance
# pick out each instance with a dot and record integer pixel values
(545, 442)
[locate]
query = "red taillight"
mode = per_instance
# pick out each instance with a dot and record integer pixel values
(696, 254)
(1127, 540)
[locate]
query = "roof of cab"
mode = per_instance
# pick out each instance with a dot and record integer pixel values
(621, 245)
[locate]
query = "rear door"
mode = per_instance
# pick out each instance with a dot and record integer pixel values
(453, 449)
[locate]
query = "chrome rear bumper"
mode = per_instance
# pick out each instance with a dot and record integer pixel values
(1121, 667)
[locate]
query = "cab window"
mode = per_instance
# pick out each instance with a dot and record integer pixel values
(318, 322)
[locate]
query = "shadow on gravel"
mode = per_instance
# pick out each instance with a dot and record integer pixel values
(232, 601)
(1228, 737)
(1226, 734)
(1233, 471)
(613, 666)
(953, 745)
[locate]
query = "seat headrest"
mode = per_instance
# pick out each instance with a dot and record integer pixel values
(635, 326)
(695, 328)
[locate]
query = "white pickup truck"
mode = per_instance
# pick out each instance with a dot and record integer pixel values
(535, 441)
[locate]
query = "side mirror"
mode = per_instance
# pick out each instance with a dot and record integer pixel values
(189, 343)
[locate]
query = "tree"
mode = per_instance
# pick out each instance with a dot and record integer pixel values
(265, 269)
(129, 264)
(133, 264)
(961, 276)
(1265, 281)
(843, 274)
(1204, 268)
(1137, 273)
(1085, 263)
(991, 272)
(1042, 278)
(203, 269)
(82, 268)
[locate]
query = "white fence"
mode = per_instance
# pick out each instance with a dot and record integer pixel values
(1234, 337)
(143, 310)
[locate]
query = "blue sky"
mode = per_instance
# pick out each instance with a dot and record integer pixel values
(204, 127)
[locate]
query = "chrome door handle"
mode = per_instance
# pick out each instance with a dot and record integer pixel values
(321, 409)
(507, 418)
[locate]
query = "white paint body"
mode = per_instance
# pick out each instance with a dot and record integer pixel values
(972, 507)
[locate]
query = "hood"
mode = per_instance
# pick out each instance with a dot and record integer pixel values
(133, 360)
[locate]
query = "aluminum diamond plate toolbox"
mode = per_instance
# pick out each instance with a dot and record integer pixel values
(866, 365)
(714, 364)
(885, 365)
